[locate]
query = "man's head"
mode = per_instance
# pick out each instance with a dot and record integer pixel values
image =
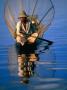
(23, 16)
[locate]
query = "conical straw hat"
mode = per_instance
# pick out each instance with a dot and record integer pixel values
(22, 14)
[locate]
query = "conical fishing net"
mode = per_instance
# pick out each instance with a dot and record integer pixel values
(42, 10)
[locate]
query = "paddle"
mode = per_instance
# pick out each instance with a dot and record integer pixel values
(50, 42)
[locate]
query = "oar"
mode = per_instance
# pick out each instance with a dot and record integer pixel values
(50, 42)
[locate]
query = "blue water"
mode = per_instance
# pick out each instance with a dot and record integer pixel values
(49, 73)
(51, 69)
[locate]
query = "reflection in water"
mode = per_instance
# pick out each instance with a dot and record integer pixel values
(37, 71)
(27, 55)
(26, 66)
(26, 61)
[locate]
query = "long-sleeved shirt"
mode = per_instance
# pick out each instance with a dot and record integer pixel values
(30, 28)
(19, 24)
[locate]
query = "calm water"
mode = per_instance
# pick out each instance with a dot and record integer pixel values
(50, 72)
(43, 72)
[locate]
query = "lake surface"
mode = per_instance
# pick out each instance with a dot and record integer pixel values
(47, 72)
(50, 72)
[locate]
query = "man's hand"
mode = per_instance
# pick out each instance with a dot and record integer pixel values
(32, 38)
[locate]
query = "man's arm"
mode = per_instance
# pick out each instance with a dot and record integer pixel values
(18, 29)
(19, 37)
(32, 38)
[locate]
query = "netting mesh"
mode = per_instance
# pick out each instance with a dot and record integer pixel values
(42, 9)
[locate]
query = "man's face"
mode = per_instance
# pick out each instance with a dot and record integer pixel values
(23, 19)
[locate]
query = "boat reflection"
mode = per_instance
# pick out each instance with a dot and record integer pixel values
(22, 60)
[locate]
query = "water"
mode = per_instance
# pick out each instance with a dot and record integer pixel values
(43, 72)
(50, 72)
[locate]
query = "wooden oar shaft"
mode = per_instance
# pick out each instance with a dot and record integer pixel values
(50, 42)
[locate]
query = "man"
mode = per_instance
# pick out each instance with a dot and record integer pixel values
(25, 30)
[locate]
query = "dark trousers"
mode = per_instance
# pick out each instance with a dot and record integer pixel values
(27, 48)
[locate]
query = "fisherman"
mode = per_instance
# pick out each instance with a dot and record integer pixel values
(26, 30)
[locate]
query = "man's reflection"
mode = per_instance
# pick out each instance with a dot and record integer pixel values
(26, 66)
